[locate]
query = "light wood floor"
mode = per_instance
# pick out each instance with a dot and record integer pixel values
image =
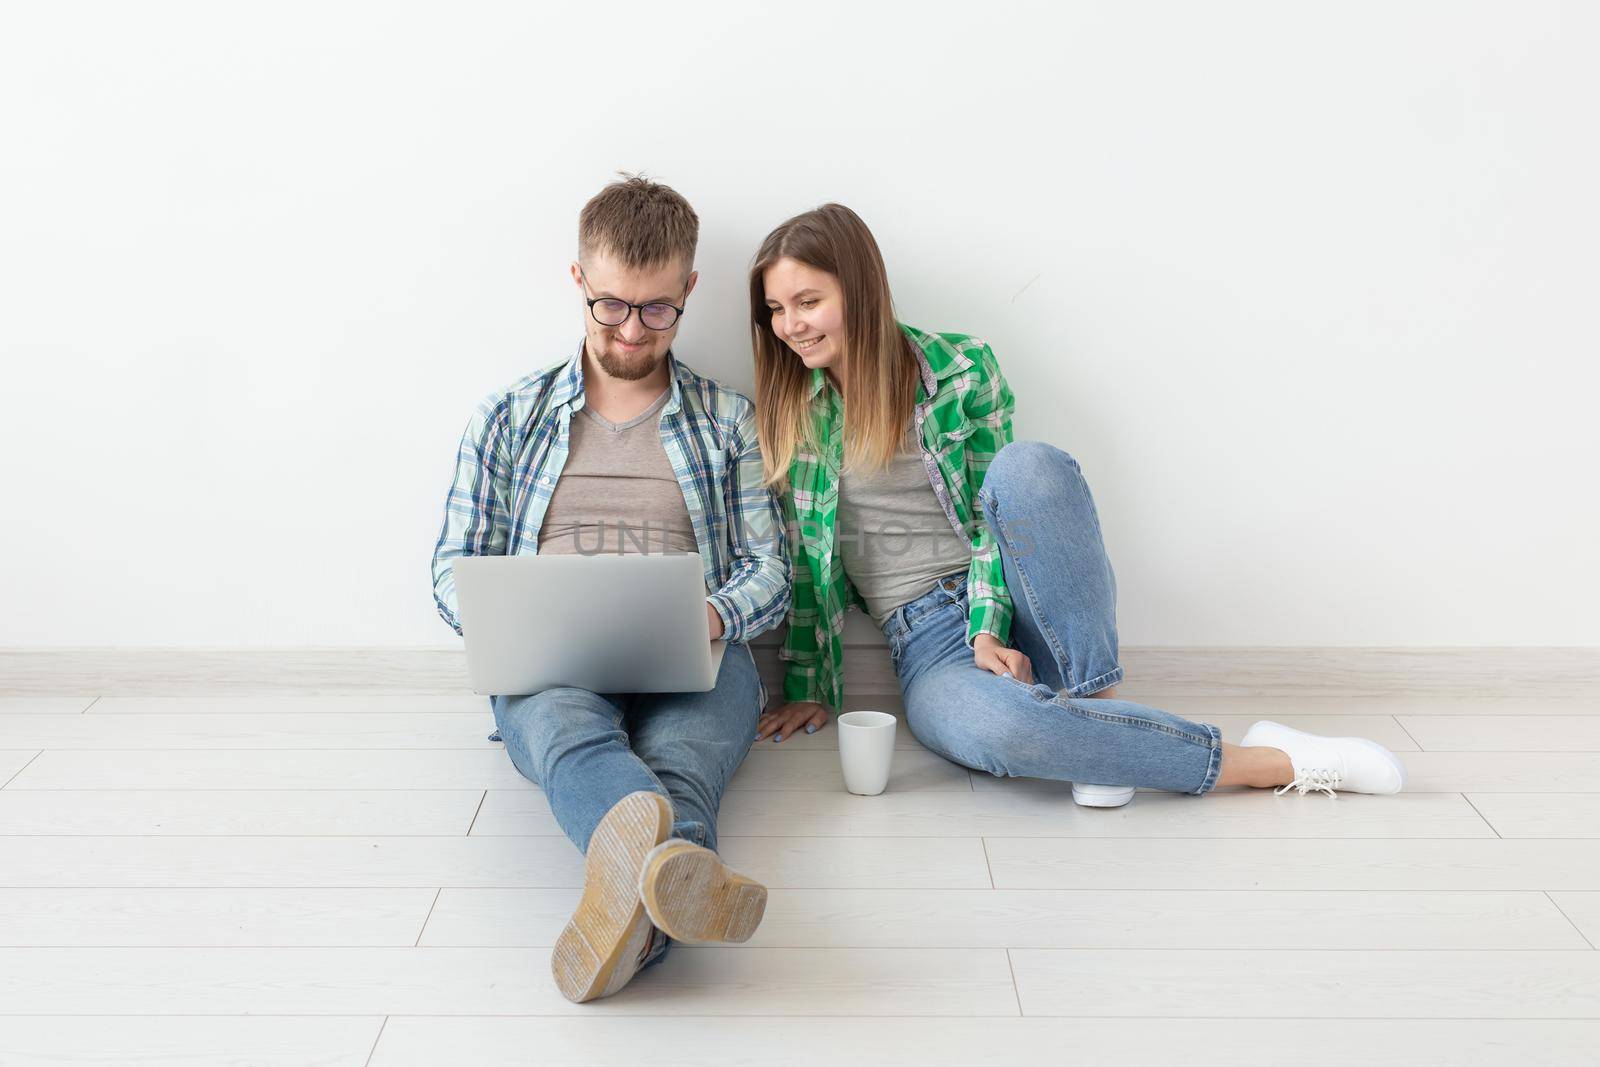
(335, 880)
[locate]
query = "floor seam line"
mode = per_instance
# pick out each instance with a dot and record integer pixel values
(418, 942)
(1567, 917)
(24, 767)
(375, 1039)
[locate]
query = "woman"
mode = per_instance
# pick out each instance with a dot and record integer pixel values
(884, 441)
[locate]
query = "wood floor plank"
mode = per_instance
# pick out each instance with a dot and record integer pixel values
(1045, 863)
(1540, 814)
(309, 769)
(858, 862)
(1041, 918)
(959, 1042)
(1199, 707)
(44, 705)
(1253, 984)
(1502, 772)
(502, 981)
(271, 730)
(1040, 812)
(247, 813)
(206, 917)
(187, 1041)
(413, 862)
(287, 862)
(292, 703)
(1505, 733)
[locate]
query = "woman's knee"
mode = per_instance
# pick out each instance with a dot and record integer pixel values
(1029, 464)
(982, 742)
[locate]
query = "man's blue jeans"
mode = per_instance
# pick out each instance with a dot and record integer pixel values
(589, 750)
(1064, 593)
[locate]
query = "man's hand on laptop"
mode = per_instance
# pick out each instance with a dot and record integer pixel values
(791, 718)
(715, 621)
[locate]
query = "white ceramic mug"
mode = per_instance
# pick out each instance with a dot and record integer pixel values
(866, 749)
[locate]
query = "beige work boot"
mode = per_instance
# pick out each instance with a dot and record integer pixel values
(598, 952)
(693, 897)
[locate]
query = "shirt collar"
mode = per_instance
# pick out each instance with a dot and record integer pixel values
(937, 358)
(568, 388)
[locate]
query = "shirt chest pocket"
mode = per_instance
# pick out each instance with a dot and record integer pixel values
(950, 440)
(717, 466)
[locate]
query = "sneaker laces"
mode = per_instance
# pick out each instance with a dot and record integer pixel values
(1320, 779)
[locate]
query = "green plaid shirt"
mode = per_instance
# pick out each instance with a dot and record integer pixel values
(963, 411)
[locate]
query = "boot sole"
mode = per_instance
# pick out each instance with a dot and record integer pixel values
(596, 952)
(694, 897)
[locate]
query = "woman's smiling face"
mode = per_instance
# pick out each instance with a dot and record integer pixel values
(807, 309)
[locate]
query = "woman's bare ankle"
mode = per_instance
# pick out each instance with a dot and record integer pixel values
(1258, 767)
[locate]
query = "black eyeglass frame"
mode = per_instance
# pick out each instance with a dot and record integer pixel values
(677, 312)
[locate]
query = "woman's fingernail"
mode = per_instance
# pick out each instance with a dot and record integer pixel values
(1007, 674)
(777, 737)
(810, 728)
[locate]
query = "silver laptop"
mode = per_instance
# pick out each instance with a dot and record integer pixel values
(605, 623)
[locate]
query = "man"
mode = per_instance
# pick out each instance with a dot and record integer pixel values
(623, 448)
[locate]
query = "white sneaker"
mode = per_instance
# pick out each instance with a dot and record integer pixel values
(1327, 764)
(1101, 796)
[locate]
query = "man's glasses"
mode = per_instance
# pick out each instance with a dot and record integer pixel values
(609, 311)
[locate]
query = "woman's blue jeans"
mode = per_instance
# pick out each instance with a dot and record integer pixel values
(1064, 594)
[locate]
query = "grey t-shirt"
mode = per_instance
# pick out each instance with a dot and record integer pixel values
(617, 494)
(893, 536)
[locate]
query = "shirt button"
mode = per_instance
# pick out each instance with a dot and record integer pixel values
(544, 480)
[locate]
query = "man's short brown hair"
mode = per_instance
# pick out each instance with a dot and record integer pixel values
(641, 222)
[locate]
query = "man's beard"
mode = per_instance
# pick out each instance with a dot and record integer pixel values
(618, 367)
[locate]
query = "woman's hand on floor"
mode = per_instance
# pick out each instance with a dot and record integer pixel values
(786, 719)
(992, 656)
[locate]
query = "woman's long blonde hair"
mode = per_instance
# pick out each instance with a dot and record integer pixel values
(880, 373)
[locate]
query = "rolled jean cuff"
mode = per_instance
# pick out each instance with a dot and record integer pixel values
(1094, 685)
(691, 831)
(660, 942)
(1214, 767)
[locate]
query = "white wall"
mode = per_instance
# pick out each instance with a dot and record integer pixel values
(1308, 289)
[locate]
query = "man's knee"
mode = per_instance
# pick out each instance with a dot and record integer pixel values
(550, 722)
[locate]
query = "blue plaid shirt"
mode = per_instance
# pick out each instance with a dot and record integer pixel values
(516, 444)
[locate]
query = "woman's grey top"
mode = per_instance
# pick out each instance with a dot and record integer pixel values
(893, 535)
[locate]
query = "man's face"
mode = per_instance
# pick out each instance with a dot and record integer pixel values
(632, 350)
